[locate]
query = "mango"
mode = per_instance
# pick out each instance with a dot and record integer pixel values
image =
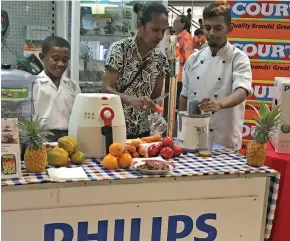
(68, 143)
(57, 157)
(77, 157)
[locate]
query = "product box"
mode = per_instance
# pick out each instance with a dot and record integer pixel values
(10, 149)
(281, 96)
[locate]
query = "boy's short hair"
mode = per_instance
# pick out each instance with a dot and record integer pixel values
(218, 9)
(54, 41)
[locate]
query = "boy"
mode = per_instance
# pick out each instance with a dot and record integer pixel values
(54, 94)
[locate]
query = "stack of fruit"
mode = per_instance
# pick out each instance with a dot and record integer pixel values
(67, 148)
(166, 149)
(135, 149)
(117, 158)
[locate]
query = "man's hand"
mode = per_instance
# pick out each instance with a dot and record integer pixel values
(209, 105)
(142, 103)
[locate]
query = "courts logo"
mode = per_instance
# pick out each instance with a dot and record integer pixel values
(277, 51)
(255, 9)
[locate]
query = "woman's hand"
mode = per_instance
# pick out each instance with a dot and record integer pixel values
(142, 103)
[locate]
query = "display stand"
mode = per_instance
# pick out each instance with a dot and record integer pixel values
(238, 203)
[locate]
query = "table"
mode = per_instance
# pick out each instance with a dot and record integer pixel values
(281, 163)
(218, 198)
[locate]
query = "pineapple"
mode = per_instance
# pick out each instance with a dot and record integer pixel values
(33, 135)
(266, 122)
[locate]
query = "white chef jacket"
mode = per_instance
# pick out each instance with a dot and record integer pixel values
(52, 104)
(216, 78)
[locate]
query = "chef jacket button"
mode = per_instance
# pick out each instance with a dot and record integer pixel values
(213, 113)
(194, 93)
(201, 61)
(215, 96)
(224, 62)
(211, 130)
(197, 77)
(219, 78)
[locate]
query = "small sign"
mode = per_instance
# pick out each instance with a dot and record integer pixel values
(14, 93)
(10, 149)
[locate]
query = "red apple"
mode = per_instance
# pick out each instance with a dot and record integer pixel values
(167, 142)
(153, 150)
(176, 151)
(166, 153)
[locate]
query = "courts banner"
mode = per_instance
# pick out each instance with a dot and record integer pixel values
(262, 31)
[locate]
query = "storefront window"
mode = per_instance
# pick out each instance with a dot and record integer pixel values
(102, 22)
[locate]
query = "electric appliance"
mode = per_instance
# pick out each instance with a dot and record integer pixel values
(280, 138)
(97, 120)
(193, 131)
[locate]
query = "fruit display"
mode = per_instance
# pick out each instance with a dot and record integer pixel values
(135, 149)
(266, 122)
(77, 157)
(110, 162)
(65, 150)
(166, 149)
(57, 157)
(33, 133)
(118, 157)
(67, 143)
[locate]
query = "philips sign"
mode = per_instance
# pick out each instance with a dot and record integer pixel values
(173, 232)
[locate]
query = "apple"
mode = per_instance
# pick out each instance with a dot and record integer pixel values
(176, 151)
(166, 153)
(154, 150)
(167, 142)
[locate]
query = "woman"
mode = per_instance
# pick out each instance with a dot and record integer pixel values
(135, 68)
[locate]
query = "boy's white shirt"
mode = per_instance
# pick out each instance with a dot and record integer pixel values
(52, 104)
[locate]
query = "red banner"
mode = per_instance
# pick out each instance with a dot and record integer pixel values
(253, 29)
(268, 71)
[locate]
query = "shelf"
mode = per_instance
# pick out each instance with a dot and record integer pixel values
(102, 38)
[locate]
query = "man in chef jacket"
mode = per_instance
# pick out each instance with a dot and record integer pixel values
(219, 77)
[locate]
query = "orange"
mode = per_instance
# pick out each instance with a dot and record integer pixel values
(110, 162)
(116, 149)
(125, 161)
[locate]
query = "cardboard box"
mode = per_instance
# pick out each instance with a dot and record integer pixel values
(10, 149)
(281, 96)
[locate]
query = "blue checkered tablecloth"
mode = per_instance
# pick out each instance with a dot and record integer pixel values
(223, 162)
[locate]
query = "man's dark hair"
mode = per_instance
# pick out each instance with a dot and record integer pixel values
(184, 19)
(54, 41)
(198, 32)
(218, 9)
(144, 12)
(200, 21)
(189, 10)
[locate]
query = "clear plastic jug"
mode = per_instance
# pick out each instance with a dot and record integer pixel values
(17, 94)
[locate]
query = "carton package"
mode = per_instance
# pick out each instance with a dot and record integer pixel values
(281, 96)
(10, 149)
